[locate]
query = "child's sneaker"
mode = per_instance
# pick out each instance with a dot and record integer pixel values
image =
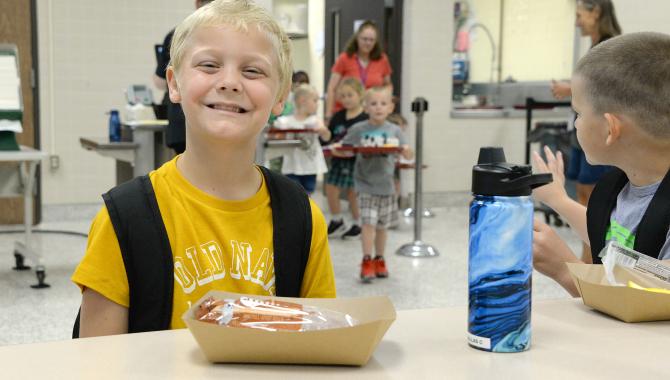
(367, 270)
(352, 233)
(380, 267)
(336, 227)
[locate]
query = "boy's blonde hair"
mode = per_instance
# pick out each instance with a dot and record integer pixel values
(304, 90)
(240, 15)
(376, 90)
(354, 83)
(630, 74)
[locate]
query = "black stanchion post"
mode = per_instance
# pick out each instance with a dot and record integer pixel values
(419, 106)
(418, 248)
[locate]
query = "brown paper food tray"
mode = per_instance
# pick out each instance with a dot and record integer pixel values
(342, 346)
(621, 302)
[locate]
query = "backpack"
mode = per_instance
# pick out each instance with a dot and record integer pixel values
(134, 213)
(653, 227)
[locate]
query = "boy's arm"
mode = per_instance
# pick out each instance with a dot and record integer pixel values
(319, 278)
(550, 253)
(102, 277)
(337, 152)
(555, 196)
(322, 130)
(101, 316)
(350, 138)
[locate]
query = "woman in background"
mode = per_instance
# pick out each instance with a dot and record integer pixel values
(363, 59)
(595, 19)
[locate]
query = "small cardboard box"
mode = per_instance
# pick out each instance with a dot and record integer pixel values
(342, 346)
(621, 302)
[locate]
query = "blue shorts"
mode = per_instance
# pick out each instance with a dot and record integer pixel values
(581, 171)
(308, 182)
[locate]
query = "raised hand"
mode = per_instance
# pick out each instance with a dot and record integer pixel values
(554, 191)
(561, 90)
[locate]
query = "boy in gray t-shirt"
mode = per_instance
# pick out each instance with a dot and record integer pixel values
(373, 173)
(631, 205)
(620, 93)
(373, 177)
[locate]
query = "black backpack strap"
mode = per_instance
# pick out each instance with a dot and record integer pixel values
(75, 328)
(145, 247)
(292, 232)
(653, 228)
(599, 211)
(147, 256)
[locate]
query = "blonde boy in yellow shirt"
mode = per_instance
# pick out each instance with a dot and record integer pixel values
(231, 67)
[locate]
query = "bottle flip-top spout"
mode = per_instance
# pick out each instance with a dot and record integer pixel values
(494, 176)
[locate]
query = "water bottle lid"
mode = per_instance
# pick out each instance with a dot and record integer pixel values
(491, 176)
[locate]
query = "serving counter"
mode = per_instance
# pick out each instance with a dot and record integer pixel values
(141, 151)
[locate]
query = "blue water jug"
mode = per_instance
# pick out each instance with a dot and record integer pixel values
(114, 126)
(500, 262)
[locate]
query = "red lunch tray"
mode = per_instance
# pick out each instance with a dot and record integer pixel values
(279, 130)
(372, 149)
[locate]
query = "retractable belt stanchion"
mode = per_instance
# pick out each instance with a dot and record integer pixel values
(409, 212)
(418, 248)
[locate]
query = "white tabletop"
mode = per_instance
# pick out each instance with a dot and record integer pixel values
(569, 341)
(25, 154)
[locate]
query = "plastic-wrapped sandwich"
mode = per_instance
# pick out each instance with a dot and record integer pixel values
(270, 315)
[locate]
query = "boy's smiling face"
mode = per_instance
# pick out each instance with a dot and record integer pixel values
(592, 128)
(227, 84)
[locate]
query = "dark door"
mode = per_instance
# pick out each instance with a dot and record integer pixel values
(16, 27)
(343, 15)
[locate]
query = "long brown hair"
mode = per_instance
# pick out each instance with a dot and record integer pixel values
(608, 25)
(352, 45)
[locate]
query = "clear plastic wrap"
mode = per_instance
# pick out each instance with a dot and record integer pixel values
(270, 315)
(616, 255)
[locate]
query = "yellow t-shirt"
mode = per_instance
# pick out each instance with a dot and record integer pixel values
(216, 244)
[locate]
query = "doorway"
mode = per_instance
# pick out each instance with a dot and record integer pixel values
(18, 26)
(340, 20)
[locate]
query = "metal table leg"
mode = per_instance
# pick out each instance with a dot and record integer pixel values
(145, 153)
(23, 249)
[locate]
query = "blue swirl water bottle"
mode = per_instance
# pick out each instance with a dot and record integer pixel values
(500, 265)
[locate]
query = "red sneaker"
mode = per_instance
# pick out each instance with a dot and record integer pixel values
(367, 270)
(380, 267)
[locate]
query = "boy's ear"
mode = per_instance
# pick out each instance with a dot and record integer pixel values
(173, 88)
(614, 124)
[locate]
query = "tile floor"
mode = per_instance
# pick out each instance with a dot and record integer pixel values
(30, 315)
